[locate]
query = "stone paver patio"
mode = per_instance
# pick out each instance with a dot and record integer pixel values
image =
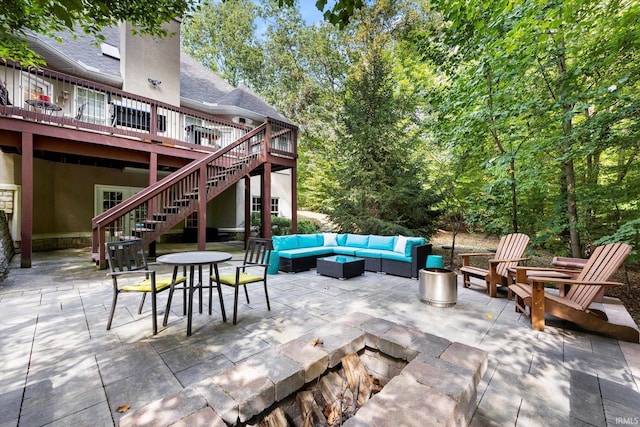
(60, 367)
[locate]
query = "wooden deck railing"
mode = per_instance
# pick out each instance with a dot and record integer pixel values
(58, 99)
(54, 98)
(160, 207)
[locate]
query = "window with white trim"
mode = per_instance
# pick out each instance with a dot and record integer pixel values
(91, 106)
(256, 205)
(34, 87)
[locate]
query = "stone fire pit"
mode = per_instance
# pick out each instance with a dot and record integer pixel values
(438, 384)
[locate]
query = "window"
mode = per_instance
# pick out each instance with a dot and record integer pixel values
(282, 143)
(196, 133)
(134, 114)
(257, 201)
(34, 87)
(92, 106)
(191, 221)
(255, 204)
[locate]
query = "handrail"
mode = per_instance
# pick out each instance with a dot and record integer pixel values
(170, 200)
(135, 200)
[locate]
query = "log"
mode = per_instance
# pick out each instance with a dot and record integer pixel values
(311, 414)
(276, 418)
(357, 377)
(331, 387)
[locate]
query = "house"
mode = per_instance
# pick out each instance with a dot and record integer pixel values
(132, 137)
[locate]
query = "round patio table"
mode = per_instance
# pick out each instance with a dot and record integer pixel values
(191, 260)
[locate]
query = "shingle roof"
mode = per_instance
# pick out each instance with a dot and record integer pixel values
(244, 97)
(197, 83)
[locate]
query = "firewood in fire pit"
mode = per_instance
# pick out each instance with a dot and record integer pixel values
(331, 387)
(276, 418)
(312, 416)
(357, 377)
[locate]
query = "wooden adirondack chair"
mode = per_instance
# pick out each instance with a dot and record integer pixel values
(509, 253)
(574, 306)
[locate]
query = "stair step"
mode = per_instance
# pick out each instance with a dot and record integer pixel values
(152, 222)
(142, 230)
(171, 209)
(160, 217)
(182, 202)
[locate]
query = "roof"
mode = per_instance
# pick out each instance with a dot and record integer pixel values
(199, 86)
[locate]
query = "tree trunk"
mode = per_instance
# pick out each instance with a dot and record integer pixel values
(569, 171)
(514, 199)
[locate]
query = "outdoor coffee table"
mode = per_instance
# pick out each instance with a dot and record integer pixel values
(340, 266)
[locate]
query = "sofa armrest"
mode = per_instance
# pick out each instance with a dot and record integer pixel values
(419, 256)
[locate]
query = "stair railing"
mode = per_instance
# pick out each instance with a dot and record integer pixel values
(161, 206)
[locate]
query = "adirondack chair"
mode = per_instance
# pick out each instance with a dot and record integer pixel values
(575, 305)
(509, 253)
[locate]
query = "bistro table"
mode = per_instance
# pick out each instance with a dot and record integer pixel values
(45, 105)
(191, 260)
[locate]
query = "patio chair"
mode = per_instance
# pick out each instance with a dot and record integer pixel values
(127, 259)
(4, 94)
(509, 253)
(533, 301)
(252, 270)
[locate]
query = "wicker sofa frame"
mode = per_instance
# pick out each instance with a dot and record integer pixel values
(411, 269)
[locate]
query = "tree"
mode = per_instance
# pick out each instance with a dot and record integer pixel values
(547, 84)
(340, 14)
(222, 37)
(20, 17)
(378, 188)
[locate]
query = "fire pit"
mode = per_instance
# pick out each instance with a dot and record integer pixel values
(438, 287)
(424, 379)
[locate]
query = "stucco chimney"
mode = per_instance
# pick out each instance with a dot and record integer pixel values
(150, 66)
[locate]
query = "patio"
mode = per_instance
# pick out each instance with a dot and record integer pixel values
(59, 366)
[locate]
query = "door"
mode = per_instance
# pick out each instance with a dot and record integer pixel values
(108, 196)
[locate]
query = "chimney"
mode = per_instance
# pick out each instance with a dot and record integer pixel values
(150, 66)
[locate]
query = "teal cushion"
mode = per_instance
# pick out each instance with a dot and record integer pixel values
(411, 242)
(305, 252)
(396, 256)
(309, 240)
(341, 239)
(369, 253)
(381, 242)
(343, 250)
(281, 243)
(357, 241)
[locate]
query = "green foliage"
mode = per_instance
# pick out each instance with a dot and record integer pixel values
(307, 227)
(222, 36)
(340, 14)
(536, 102)
(19, 17)
(282, 226)
(629, 232)
(377, 187)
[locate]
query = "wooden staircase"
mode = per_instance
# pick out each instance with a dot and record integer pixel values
(160, 207)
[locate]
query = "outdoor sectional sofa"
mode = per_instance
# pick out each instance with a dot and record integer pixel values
(397, 255)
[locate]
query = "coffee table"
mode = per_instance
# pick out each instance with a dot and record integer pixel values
(340, 266)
